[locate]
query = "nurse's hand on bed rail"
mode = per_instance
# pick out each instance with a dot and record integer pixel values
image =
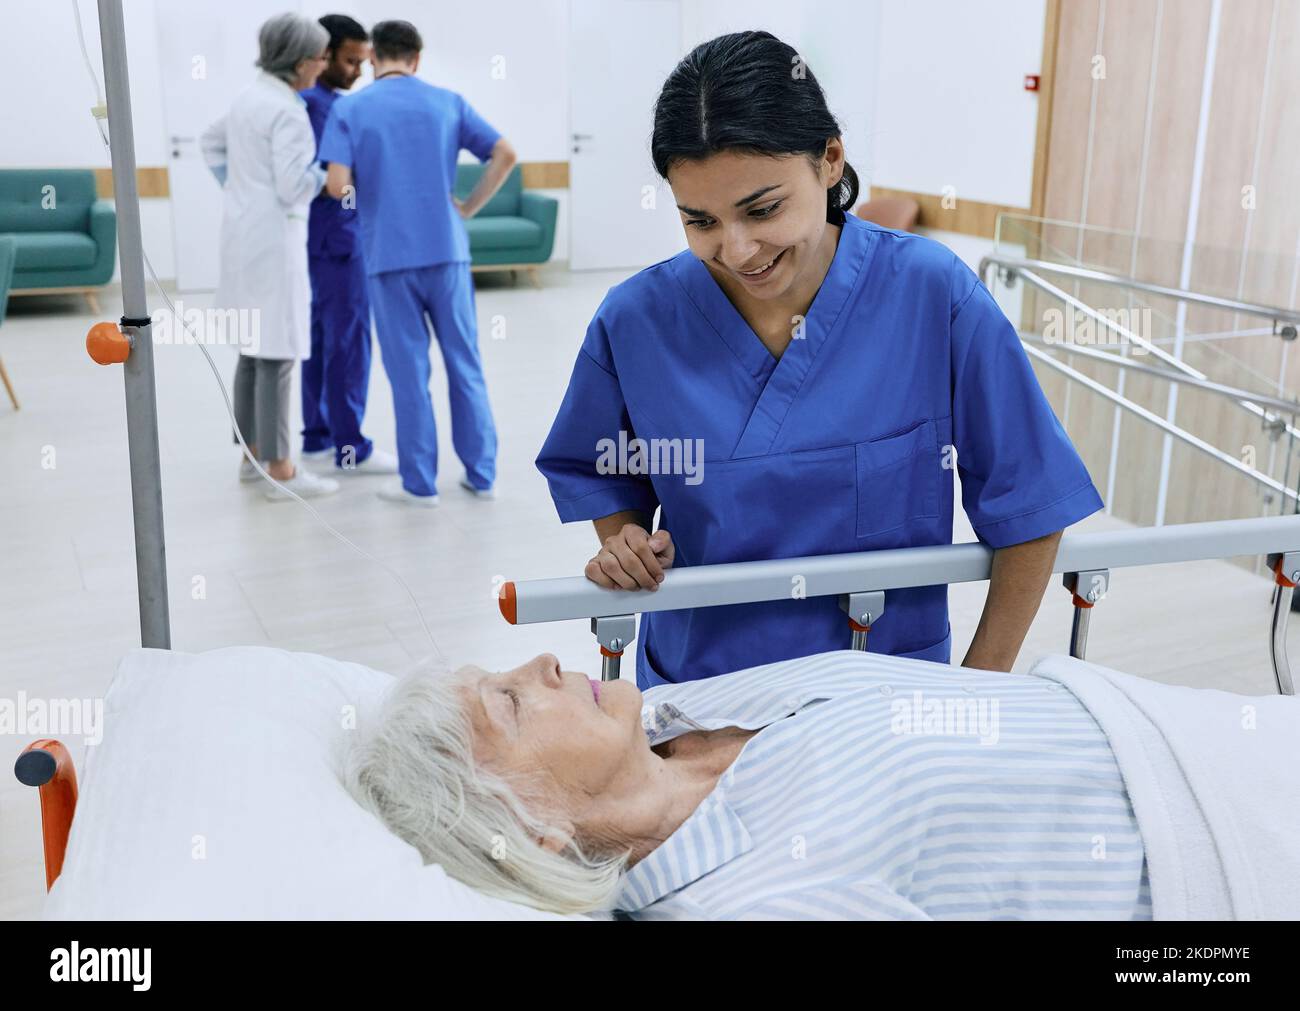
(632, 559)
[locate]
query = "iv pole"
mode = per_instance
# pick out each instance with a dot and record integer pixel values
(141, 402)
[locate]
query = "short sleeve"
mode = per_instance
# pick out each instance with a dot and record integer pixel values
(593, 411)
(477, 136)
(1021, 477)
(336, 140)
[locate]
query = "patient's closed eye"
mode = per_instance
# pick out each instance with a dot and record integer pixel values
(514, 697)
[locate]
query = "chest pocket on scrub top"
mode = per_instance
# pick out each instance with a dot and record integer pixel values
(898, 480)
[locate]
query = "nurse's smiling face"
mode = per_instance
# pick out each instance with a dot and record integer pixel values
(759, 221)
(573, 737)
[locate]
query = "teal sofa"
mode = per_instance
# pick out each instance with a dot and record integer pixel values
(515, 230)
(66, 237)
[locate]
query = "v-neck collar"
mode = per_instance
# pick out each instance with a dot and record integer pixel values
(777, 382)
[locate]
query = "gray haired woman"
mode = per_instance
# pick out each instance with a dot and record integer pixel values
(787, 791)
(264, 154)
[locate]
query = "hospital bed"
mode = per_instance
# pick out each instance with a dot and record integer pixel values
(181, 818)
(208, 802)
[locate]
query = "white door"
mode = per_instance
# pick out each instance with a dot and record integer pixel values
(621, 214)
(206, 54)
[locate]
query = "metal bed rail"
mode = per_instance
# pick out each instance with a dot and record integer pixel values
(862, 579)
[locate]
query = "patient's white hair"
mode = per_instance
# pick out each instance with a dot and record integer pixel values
(415, 771)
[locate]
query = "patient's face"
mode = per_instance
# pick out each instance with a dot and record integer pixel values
(576, 735)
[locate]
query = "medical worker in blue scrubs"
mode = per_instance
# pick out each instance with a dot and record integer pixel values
(336, 378)
(392, 148)
(833, 373)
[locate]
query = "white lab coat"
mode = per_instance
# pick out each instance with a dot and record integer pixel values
(264, 152)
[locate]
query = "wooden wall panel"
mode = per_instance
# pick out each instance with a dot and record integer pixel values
(1113, 204)
(1155, 49)
(1066, 166)
(1178, 53)
(1198, 488)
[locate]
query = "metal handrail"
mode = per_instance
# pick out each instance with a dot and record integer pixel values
(1168, 426)
(1058, 255)
(1249, 405)
(1233, 392)
(1121, 280)
(857, 574)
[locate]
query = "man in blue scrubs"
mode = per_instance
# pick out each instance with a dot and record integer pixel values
(336, 378)
(393, 147)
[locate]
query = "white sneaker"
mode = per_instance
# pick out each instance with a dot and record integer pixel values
(477, 492)
(247, 472)
(318, 455)
(394, 492)
(378, 462)
(304, 484)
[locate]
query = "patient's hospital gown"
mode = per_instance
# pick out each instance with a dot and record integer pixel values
(910, 792)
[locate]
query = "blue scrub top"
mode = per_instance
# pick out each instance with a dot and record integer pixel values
(838, 446)
(331, 227)
(401, 137)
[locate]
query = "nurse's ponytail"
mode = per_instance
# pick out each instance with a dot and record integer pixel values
(747, 92)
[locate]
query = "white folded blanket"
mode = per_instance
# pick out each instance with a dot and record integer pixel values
(1214, 779)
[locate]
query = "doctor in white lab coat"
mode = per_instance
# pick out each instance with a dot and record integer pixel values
(264, 154)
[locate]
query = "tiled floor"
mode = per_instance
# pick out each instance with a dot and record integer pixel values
(269, 575)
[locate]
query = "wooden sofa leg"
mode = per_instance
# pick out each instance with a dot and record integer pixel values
(535, 274)
(92, 300)
(47, 764)
(9, 387)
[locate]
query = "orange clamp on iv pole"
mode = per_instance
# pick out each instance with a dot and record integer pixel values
(107, 345)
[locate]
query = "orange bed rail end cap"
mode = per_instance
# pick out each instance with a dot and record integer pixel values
(506, 601)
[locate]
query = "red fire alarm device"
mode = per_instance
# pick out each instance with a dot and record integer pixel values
(1031, 82)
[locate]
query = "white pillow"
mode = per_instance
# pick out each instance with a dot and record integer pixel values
(216, 794)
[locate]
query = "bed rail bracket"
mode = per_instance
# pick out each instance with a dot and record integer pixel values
(613, 633)
(1286, 574)
(1087, 586)
(862, 609)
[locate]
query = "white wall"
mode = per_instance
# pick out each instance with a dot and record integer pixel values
(48, 97)
(510, 60)
(952, 107)
(928, 91)
(838, 39)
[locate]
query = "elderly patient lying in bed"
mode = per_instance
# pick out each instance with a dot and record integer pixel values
(925, 792)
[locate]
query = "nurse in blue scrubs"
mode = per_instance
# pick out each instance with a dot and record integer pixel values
(831, 373)
(392, 148)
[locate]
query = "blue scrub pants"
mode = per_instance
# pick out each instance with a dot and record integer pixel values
(444, 293)
(336, 378)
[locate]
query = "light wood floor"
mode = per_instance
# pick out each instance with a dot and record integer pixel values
(271, 576)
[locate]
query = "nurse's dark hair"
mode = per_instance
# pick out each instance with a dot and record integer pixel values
(341, 28)
(396, 40)
(752, 93)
